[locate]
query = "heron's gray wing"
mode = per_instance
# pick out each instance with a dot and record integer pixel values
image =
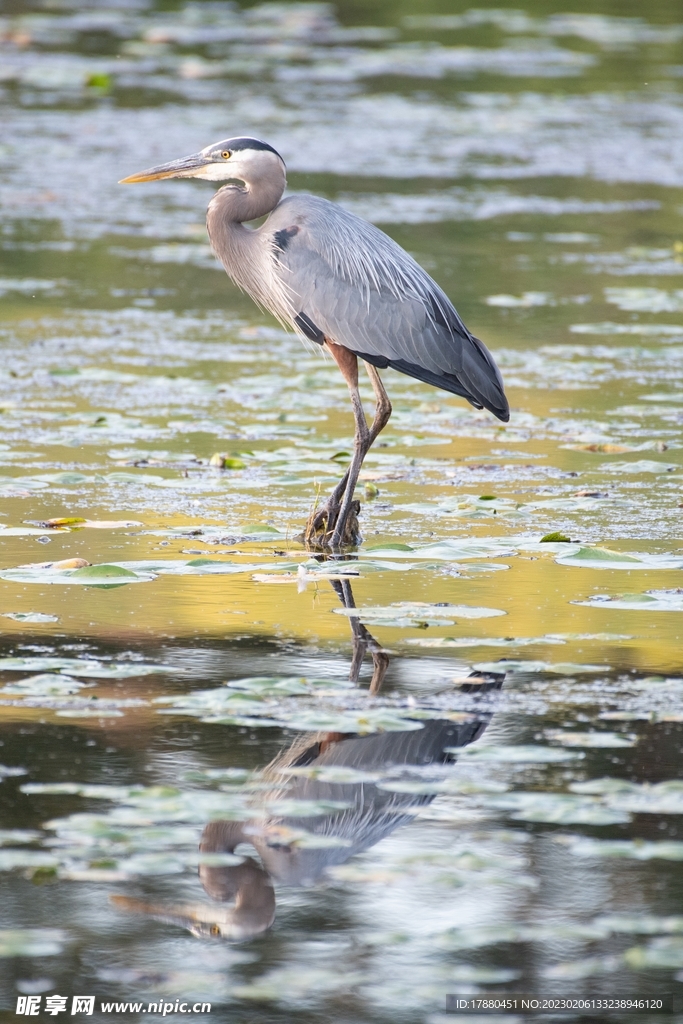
(354, 285)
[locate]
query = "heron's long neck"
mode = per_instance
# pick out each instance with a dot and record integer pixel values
(239, 248)
(235, 204)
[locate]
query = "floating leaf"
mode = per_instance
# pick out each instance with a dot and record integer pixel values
(259, 530)
(10, 860)
(88, 575)
(625, 849)
(44, 685)
(646, 300)
(64, 521)
(14, 836)
(650, 601)
(103, 572)
(640, 466)
(445, 550)
(484, 641)
(35, 942)
(82, 667)
(558, 809)
(31, 617)
(286, 685)
(560, 668)
(600, 558)
(604, 786)
(528, 754)
(362, 722)
(116, 669)
(657, 798)
(586, 968)
(388, 548)
(665, 953)
(455, 785)
(406, 613)
(591, 739)
(220, 461)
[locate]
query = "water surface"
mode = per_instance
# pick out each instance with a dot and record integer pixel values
(492, 802)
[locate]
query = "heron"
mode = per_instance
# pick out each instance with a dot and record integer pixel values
(343, 284)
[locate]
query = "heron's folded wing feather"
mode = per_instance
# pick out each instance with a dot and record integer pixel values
(366, 293)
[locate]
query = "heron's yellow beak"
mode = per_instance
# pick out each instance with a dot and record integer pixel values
(187, 167)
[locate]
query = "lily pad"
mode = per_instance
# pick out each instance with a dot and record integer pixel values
(277, 686)
(624, 849)
(528, 754)
(484, 641)
(30, 617)
(573, 970)
(83, 667)
(362, 722)
(560, 668)
(102, 572)
(591, 739)
(558, 809)
(11, 860)
(601, 558)
(407, 613)
(650, 601)
(90, 575)
(45, 685)
(664, 953)
(445, 550)
(34, 942)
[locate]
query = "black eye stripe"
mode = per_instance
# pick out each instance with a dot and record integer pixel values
(235, 145)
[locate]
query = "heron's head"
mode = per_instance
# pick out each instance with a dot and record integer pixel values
(240, 159)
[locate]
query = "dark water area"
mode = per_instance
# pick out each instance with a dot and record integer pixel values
(232, 772)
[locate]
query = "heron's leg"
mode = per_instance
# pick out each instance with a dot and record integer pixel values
(383, 412)
(382, 404)
(361, 444)
(323, 521)
(363, 440)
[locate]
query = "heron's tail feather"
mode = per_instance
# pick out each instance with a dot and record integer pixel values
(479, 381)
(482, 378)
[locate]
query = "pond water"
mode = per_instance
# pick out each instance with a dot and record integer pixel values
(450, 763)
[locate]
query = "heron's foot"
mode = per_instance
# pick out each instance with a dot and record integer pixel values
(320, 526)
(324, 531)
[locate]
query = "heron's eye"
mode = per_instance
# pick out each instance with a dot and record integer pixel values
(226, 154)
(215, 930)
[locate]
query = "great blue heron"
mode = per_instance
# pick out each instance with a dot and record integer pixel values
(345, 285)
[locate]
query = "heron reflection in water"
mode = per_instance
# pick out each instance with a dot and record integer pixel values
(342, 284)
(365, 812)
